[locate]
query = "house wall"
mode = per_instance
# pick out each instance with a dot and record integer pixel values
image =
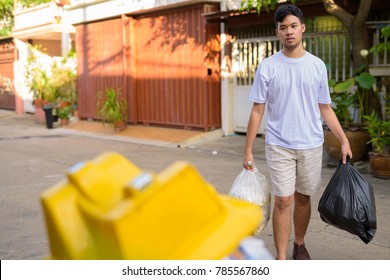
(52, 48)
(166, 63)
(92, 10)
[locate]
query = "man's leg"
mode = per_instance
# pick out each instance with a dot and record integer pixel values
(302, 213)
(281, 221)
(309, 166)
(282, 167)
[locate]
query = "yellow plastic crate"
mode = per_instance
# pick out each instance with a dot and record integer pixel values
(110, 209)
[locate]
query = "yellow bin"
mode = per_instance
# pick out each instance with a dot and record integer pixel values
(110, 209)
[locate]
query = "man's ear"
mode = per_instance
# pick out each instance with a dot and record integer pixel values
(303, 28)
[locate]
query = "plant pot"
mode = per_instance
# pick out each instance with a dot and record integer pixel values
(64, 121)
(120, 125)
(357, 140)
(39, 103)
(63, 104)
(39, 116)
(39, 113)
(380, 165)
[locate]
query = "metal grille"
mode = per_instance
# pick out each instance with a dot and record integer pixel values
(7, 58)
(333, 49)
(382, 58)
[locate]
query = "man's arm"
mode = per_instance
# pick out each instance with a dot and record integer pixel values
(255, 119)
(333, 123)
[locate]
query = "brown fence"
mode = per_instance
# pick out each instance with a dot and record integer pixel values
(166, 63)
(7, 58)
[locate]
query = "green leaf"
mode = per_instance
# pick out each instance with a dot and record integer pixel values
(332, 82)
(345, 86)
(267, 5)
(365, 80)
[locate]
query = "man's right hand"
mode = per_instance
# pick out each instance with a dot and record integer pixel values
(248, 163)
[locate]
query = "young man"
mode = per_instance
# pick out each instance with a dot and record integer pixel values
(294, 85)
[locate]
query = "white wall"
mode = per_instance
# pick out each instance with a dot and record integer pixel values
(19, 81)
(20, 65)
(230, 5)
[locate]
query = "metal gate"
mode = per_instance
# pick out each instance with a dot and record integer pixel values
(7, 58)
(333, 48)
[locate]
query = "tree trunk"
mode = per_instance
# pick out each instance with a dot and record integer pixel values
(355, 25)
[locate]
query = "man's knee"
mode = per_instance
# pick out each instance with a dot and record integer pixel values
(301, 198)
(283, 202)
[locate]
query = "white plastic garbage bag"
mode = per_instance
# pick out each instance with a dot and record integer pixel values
(252, 186)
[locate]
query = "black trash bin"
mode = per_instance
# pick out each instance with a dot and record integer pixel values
(49, 115)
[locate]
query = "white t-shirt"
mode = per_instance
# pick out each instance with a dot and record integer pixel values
(292, 88)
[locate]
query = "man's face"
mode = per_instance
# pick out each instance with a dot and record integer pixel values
(290, 32)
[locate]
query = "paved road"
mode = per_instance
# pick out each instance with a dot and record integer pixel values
(34, 158)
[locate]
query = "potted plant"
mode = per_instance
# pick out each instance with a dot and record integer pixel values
(379, 131)
(351, 103)
(52, 81)
(63, 114)
(38, 80)
(112, 108)
(63, 79)
(36, 76)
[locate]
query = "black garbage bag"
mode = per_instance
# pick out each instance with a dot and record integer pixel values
(348, 203)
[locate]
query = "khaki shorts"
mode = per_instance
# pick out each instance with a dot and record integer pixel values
(294, 170)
